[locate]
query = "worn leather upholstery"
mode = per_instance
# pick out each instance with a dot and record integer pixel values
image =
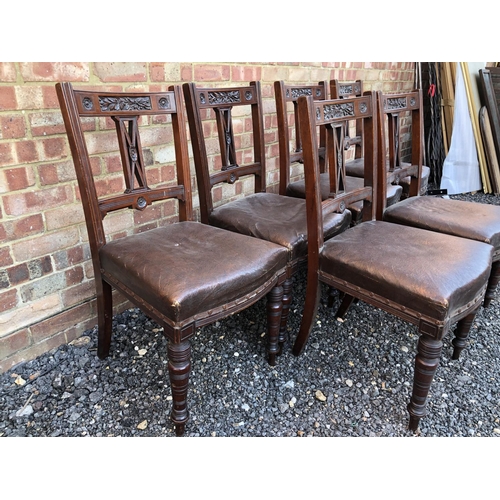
(297, 189)
(186, 274)
(275, 218)
(475, 221)
(355, 168)
(443, 273)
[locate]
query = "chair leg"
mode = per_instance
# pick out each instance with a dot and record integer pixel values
(274, 312)
(310, 308)
(105, 319)
(344, 306)
(492, 283)
(426, 364)
(332, 293)
(461, 334)
(287, 300)
(179, 368)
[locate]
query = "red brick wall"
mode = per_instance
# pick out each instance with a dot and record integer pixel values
(46, 278)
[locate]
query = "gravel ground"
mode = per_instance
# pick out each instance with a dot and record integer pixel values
(353, 379)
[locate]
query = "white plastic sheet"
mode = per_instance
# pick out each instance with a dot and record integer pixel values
(461, 172)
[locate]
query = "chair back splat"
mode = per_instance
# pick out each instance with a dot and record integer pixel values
(291, 156)
(285, 94)
(181, 273)
(402, 270)
(227, 134)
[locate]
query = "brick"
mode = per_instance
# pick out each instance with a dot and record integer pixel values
(12, 127)
(64, 216)
(39, 267)
(29, 97)
(42, 287)
(246, 73)
(5, 257)
(70, 257)
(53, 72)
(53, 148)
(37, 201)
(15, 179)
(7, 72)
(49, 97)
(79, 293)
(4, 279)
(14, 342)
(8, 300)
(186, 70)
(7, 154)
(26, 151)
(8, 99)
(45, 244)
(18, 274)
(120, 71)
(212, 73)
(21, 228)
(61, 321)
(157, 71)
(74, 276)
(46, 123)
(27, 314)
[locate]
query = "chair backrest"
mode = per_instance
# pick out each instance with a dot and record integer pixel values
(128, 111)
(400, 126)
(289, 125)
(241, 148)
(332, 115)
(341, 90)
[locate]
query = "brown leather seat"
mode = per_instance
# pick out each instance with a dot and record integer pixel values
(238, 130)
(275, 218)
(476, 221)
(187, 278)
(406, 271)
(298, 189)
(183, 274)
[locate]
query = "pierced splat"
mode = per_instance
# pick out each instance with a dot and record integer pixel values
(226, 138)
(394, 142)
(336, 159)
(131, 154)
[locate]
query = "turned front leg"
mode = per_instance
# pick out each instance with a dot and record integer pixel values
(179, 368)
(287, 300)
(461, 334)
(274, 310)
(105, 319)
(492, 283)
(426, 363)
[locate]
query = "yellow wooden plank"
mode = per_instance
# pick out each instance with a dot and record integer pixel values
(474, 103)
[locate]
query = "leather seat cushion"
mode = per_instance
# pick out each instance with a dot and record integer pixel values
(424, 182)
(297, 189)
(276, 218)
(475, 221)
(427, 272)
(355, 168)
(189, 269)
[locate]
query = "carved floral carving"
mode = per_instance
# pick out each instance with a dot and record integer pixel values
(393, 103)
(296, 93)
(124, 103)
(224, 97)
(338, 110)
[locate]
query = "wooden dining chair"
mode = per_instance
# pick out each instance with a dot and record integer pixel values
(181, 273)
(233, 134)
(429, 279)
(286, 97)
(475, 221)
(355, 167)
